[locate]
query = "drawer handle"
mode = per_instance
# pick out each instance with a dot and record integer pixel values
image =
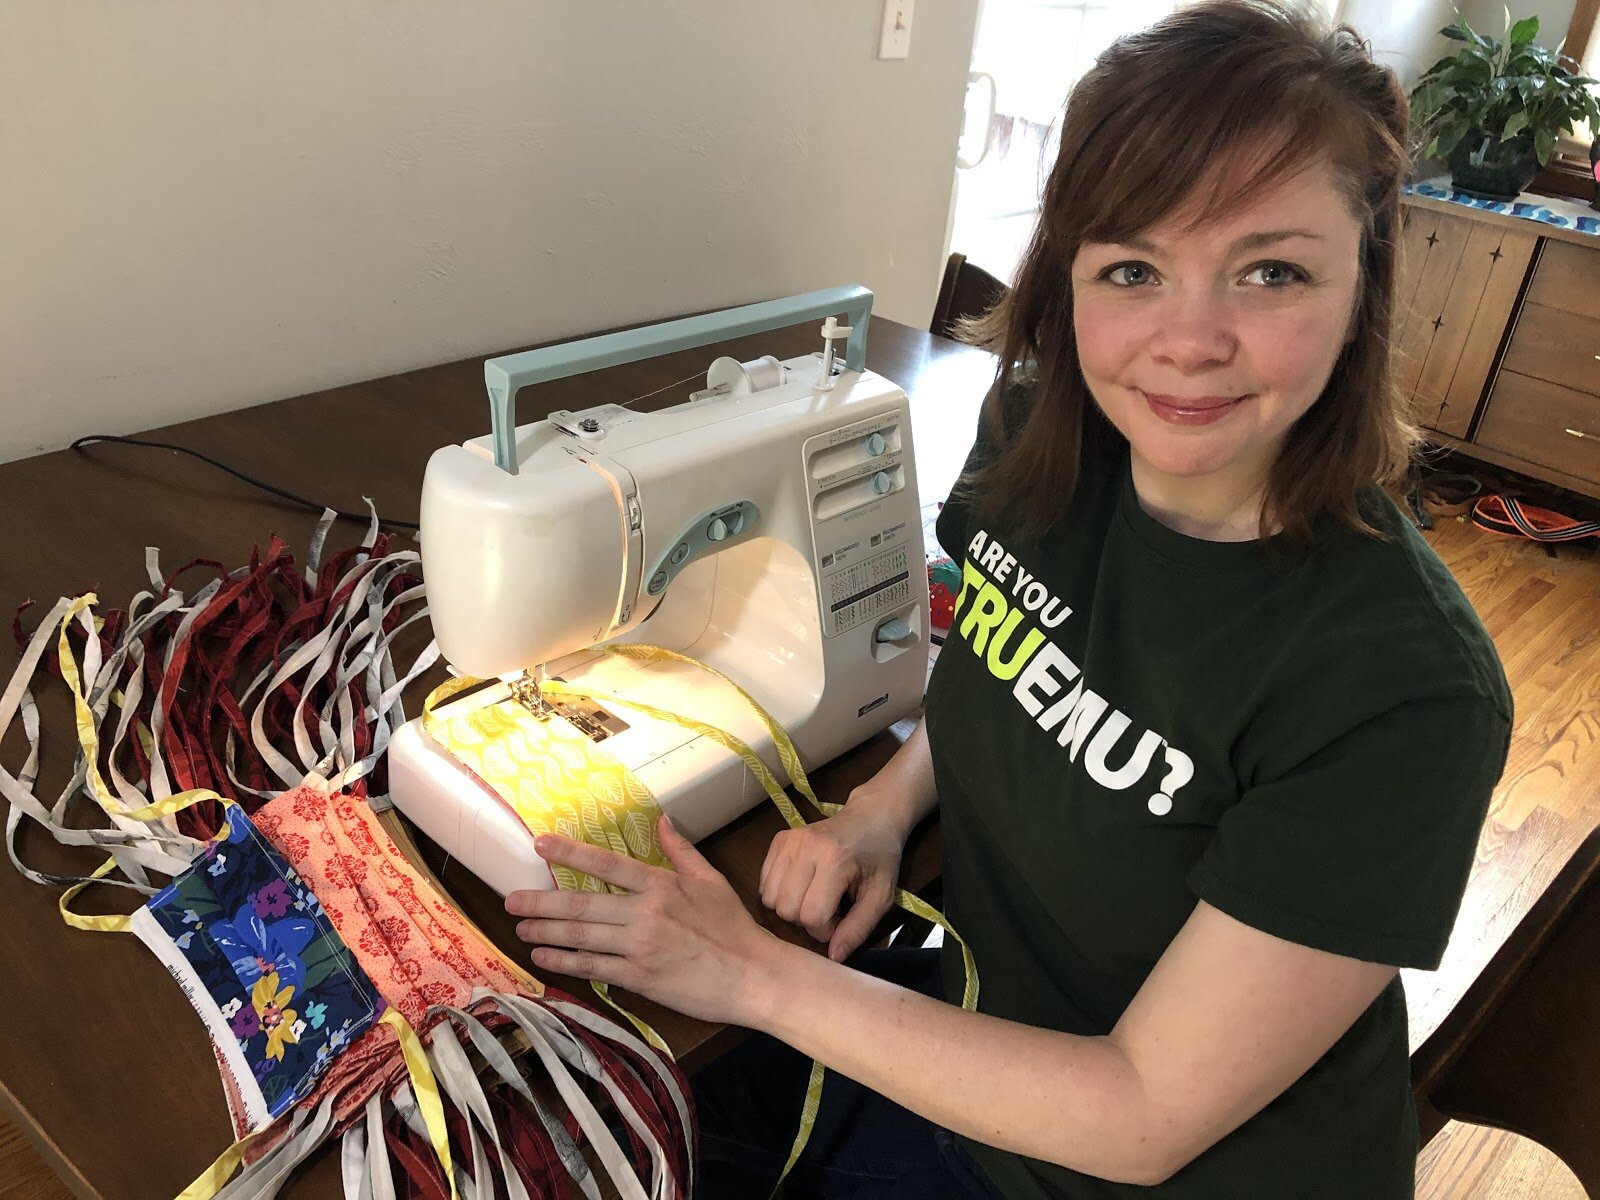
(1578, 433)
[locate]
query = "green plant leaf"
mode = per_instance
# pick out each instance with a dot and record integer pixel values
(1449, 135)
(1442, 65)
(1544, 142)
(1462, 32)
(1524, 31)
(1515, 124)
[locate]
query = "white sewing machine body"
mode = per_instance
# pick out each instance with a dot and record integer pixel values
(773, 534)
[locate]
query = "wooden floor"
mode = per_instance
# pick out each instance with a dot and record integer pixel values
(1544, 615)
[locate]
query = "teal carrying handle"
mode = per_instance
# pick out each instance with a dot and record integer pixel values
(509, 374)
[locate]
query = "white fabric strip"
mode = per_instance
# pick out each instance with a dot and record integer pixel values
(600, 1139)
(615, 1032)
(160, 782)
(495, 1055)
(353, 1163)
(576, 1054)
(262, 1179)
(451, 1088)
(145, 927)
(456, 1074)
(21, 798)
(380, 1179)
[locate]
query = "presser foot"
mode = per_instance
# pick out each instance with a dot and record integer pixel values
(594, 722)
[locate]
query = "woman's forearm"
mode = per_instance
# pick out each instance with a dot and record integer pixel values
(1077, 1101)
(903, 789)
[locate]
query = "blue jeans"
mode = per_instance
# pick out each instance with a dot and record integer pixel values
(863, 1146)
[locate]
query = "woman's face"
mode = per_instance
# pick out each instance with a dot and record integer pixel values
(1202, 346)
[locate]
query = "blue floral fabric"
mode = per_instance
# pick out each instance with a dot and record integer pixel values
(259, 942)
(1440, 189)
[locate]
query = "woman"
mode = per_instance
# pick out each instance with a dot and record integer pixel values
(1214, 733)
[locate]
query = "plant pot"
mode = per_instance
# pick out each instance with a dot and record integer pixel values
(1501, 170)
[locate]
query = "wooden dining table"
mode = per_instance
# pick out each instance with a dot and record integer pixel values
(102, 1061)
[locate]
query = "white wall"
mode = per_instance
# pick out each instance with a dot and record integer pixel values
(215, 203)
(1489, 16)
(1404, 33)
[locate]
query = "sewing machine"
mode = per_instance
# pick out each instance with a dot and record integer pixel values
(768, 526)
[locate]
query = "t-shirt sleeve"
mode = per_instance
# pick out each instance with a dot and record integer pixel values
(1364, 848)
(955, 517)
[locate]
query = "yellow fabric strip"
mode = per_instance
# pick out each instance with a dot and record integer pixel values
(808, 1120)
(115, 923)
(210, 1181)
(174, 804)
(89, 741)
(645, 1031)
(151, 812)
(426, 1089)
(87, 736)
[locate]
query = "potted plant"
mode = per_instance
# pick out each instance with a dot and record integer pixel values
(1494, 109)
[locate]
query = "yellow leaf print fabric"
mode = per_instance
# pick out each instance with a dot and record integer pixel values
(557, 781)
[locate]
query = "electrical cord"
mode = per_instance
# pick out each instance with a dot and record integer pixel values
(301, 501)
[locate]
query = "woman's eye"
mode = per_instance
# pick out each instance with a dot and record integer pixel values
(1128, 274)
(1275, 274)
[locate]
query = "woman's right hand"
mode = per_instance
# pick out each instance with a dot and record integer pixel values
(855, 853)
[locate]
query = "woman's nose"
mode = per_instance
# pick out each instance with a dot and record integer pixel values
(1194, 332)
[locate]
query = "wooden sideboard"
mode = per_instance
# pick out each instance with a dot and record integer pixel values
(1497, 329)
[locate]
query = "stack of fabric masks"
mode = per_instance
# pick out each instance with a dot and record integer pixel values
(229, 736)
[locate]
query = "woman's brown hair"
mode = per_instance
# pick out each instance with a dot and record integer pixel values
(1219, 100)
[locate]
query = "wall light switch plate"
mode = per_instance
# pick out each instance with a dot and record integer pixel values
(895, 40)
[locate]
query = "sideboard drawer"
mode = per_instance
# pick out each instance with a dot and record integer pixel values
(1558, 346)
(1543, 423)
(1568, 278)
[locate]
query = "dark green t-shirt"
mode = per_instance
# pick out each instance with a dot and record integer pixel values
(1125, 720)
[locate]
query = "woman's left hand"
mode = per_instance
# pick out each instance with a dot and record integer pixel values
(682, 938)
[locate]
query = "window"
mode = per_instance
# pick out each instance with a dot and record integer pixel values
(1568, 173)
(1026, 56)
(1581, 43)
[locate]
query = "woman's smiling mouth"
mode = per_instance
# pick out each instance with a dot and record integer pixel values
(1191, 410)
